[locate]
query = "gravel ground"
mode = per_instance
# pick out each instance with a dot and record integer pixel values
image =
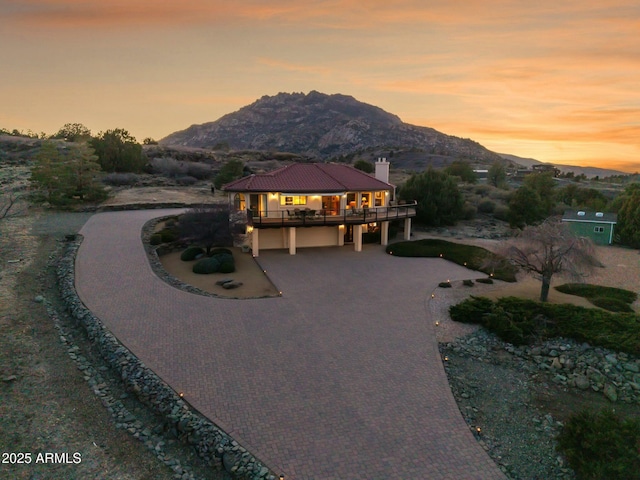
(518, 409)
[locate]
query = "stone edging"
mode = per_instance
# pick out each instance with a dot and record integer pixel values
(210, 442)
(160, 272)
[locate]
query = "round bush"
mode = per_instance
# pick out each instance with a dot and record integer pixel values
(486, 206)
(206, 266)
(191, 253)
(228, 267)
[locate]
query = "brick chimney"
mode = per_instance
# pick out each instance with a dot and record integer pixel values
(382, 170)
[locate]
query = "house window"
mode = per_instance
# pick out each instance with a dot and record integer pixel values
(378, 199)
(293, 200)
(239, 202)
(598, 229)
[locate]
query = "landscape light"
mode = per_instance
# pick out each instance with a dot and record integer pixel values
(437, 323)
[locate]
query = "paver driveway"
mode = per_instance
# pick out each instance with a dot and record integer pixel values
(339, 379)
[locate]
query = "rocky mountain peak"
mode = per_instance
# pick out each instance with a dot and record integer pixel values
(322, 126)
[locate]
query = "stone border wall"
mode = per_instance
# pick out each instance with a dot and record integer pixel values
(153, 255)
(210, 442)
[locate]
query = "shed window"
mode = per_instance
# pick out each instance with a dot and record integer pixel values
(598, 229)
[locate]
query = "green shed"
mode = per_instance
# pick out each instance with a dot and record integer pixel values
(598, 226)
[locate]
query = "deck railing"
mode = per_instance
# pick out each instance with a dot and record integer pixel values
(295, 217)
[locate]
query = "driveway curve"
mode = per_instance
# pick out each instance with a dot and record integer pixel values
(340, 378)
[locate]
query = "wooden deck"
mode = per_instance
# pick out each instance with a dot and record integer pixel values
(310, 218)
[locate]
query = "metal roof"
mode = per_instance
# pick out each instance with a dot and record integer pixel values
(591, 217)
(309, 178)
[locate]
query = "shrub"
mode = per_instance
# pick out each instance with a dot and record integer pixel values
(501, 212)
(471, 310)
(487, 281)
(120, 179)
(601, 445)
(168, 235)
(611, 304)
(516, 319)
(486, 206)
(444, 284)
(169, 167)
(589, 291)
(206, 266)
(191, 253)
(468, 211)
(217, 251)
(475, 258)
(155, 239)
(200, 171)
(467, 283)
(186, 180)
(228, 267)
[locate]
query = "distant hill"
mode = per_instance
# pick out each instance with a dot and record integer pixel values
(325, 127)
(589, 172)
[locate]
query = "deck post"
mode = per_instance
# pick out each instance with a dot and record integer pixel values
(255, 242)
(407, 228)
(292, 240)
(357, 238)
(384, 233)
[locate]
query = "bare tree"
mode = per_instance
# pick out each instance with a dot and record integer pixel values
(548, 249)
(207, 226)
(8, 205)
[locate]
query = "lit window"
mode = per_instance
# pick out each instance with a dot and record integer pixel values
(293, 200)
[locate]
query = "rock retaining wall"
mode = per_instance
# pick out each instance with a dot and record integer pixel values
(210, 442)
(578, 365)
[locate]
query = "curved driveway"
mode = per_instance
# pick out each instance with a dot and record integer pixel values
(338, 379)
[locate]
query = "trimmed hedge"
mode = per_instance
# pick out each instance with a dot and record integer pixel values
(475, 258)
(191, 253)
(521, 321)
(601, 445)
(588, 290)
(609, 298)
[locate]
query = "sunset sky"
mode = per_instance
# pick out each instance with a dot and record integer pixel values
(558, 81)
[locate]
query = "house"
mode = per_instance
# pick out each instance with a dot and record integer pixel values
(316, 205)
(598, 226)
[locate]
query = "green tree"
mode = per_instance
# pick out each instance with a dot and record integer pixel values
(462, 169)
(525, 207)
(497, 175)
(629, 216)
(439, 200)
(149, 141)
(84, 171)
(68, 175)
(73, 132)
(365, 166)
(48, 174)
(583, 198)
(230, 171)
(118, 151)
(544, 185)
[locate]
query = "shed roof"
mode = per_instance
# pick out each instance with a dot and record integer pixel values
(309, 178)
(591, 217)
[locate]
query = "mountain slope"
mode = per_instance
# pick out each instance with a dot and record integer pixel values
(577, 170)
(322, 126)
